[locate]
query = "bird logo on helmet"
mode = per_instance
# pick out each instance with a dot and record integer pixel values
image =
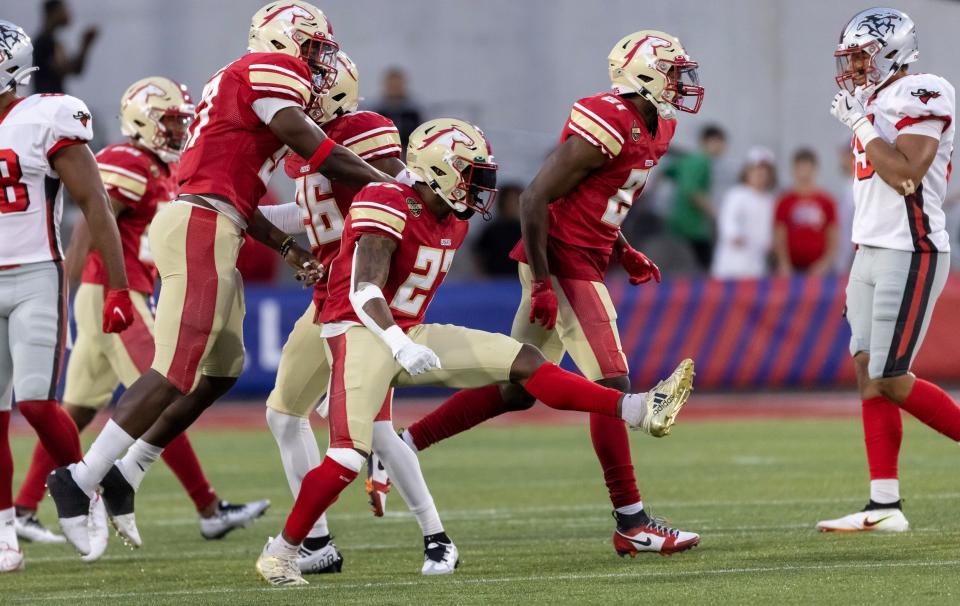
(155, 112)
(655, 66)
(455, 160)
(301, 30)
(874, 45)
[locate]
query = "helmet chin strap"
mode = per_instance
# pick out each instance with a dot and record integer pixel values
(666, 111)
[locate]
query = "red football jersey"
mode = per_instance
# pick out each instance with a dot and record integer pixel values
(585, 223)
(425, 250)
(231, 152)
(141, 180)
(324, 203)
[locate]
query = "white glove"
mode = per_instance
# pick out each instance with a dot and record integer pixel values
(850, 111)
(416, 359)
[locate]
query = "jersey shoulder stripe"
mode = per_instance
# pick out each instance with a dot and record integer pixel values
(595, 130)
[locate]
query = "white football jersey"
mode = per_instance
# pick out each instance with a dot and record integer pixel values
(915, 104)
(31, 201)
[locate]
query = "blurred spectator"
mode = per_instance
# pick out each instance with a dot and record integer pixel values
(50, 56)
(491, 249)
(805, 233)
(745, 223)
(397, 105)
(845, 247)
(692, 213)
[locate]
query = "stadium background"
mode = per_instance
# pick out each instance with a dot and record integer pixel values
(514, 68)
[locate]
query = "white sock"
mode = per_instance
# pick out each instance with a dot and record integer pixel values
(299, 453)
(408, 440)
(633, 408)
(279, 547)
(884, 491)
(631, 509)
(8, 532)
(137, 461)
(106, 449)
(403, 467)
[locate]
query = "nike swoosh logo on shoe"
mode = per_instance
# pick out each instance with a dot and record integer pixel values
(870, 524)
(645, 543)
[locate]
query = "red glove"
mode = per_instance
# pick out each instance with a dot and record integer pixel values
(117, 310)
(639, 266)
(543, 304)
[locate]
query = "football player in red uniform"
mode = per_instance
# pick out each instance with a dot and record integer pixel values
(139, 175)
(250, 112)
(571, 215)
(304, 371)
(398, 243)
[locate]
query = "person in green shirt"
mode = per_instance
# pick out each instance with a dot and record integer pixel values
(692, 213)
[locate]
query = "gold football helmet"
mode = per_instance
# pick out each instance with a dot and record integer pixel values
(455, 159)
(301, 30)
(655, 66)
(343, 97)
(155, 113)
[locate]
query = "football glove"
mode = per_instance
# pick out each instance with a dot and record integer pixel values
(117, 310)
(416, 359)
(543, 304)
(638, 265)
(849, 110)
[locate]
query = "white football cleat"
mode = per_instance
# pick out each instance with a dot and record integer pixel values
(657, 411)
(280, 571)
(97, 529)
(230, 517)
(883, 520)
(378, 485)
(440, 556)
(73, 508)
(325, 560)
(119, 496)
(650, 535)
(11, 558)
(32, 530)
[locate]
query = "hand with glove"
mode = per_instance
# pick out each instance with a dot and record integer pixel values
(543, 304)
(117, 310)
(638, 265)
(414, 358)
(850, 111)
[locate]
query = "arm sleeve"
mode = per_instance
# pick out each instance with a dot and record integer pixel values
(70, 123)
(379, 208)
(286, 217)
(599, 121)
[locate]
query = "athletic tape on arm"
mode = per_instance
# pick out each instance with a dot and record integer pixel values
(393, 336)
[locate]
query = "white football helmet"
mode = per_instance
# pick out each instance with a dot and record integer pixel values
(16, 56)
(889, 39)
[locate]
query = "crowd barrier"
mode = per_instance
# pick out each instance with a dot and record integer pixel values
(766, 334)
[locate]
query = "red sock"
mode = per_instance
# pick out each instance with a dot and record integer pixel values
(6, 462)
(35, 483)
(56, 430)
(612, 446)
(933, 407)
(882, 433)
(463, 410)
(564, 390)
(318, 491)
(183, 462)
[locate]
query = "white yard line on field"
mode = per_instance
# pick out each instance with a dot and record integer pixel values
(501, 580)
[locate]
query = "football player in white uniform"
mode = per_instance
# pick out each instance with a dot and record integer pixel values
(903, 126)
(43, 143)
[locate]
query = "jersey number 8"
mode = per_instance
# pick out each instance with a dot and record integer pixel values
(14, 196)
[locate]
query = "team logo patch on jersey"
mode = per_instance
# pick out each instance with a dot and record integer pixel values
(415, 207)
(82, 116)
(154, 171)
(635, 131)
(925, 95)
(445, 241)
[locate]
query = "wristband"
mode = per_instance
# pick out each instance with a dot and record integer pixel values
(285, 246)
(395, 339)
(320, 156)
(864, 131)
